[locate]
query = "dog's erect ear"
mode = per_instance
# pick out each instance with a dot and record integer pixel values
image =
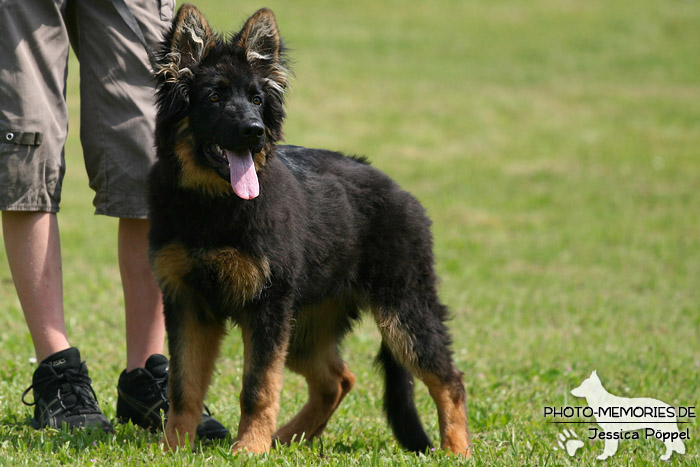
(191, 38)
(261, 40)
(260, 37)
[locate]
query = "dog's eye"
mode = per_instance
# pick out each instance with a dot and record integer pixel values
(257, 100)
(213, 97)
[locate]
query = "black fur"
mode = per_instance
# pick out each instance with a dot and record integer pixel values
(325, 228)
(398, 403)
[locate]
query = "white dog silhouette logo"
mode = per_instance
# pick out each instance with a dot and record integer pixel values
(618, 415)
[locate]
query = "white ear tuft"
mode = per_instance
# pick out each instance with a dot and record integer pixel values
(192, 38)
(261, 40)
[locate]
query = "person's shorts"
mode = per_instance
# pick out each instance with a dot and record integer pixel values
(117, 101)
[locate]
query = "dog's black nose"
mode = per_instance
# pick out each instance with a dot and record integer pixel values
(253, 129)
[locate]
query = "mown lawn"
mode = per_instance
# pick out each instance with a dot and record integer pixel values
(555, 145)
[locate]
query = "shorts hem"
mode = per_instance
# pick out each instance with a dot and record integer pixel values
(121, 214)
(29, 208)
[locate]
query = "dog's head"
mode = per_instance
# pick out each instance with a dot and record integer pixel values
(225, 96)
(589, 386)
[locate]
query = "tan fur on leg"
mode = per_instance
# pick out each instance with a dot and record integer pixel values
(452, 414)
(200, 347)
(327, 388)
(256, 427)
(313, 353)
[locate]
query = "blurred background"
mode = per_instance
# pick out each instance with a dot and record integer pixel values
(555, 145)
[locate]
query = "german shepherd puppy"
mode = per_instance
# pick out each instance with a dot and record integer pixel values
(287, 243)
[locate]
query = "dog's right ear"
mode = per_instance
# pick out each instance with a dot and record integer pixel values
(188, 42)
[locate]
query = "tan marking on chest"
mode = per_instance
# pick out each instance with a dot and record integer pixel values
(170, 265)
(239, 276)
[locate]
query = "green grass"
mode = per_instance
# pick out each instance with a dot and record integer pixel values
(555, 145)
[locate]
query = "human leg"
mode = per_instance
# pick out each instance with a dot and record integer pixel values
(145, 326)
(33, 124)
(34, 120)
(34, 255)
(117, 116)
(118, 103)
(117, 126)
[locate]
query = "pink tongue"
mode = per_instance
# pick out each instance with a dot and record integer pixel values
(244, 180)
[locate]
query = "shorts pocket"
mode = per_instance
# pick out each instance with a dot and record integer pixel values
(27, 138)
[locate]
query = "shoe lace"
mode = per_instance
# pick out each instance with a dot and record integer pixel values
(161, 387)
(70, 382)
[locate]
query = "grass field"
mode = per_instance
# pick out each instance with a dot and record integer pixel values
(556, 146)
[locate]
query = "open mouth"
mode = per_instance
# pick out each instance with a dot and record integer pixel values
(236, 166)
(217, 158)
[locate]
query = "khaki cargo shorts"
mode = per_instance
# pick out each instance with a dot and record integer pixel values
(117, 101)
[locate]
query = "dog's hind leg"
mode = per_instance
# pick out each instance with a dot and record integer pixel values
(449, 396)
(329, 380)
(414, 336)
(313, 353)
(194, 346)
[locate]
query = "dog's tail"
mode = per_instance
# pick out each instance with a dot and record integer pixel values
(398, 403)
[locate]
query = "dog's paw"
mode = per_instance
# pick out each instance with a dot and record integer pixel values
(165, 446)
(251, 447)
(174, 442)
(569, 442)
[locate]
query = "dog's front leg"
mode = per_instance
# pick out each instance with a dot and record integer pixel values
(194, 345)
(265, 348)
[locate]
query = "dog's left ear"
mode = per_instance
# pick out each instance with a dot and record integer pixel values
(261, 40)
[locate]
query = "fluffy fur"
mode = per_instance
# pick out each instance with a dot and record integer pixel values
(292, 266)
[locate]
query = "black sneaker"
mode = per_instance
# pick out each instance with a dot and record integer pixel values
(143, 399)
(63, 394)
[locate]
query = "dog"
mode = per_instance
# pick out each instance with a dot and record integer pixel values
(289, 244)
(617, 415)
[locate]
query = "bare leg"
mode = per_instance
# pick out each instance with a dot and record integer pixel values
(33, 252)
(145, 325)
